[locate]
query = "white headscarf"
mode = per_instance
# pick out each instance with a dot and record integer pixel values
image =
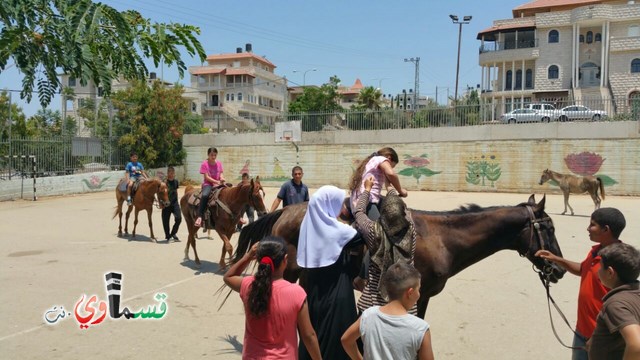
(322, 236)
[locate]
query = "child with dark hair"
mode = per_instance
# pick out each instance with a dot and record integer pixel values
(133, 171)
(173, 208)
(389, 331)
(604, 228)
(274, 307)
(212, 172)
(617, 332)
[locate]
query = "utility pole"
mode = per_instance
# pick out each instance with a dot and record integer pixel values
(416, 86)
(465, 20)
(10, 125)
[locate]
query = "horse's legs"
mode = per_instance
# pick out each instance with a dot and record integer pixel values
(596, 198)
(149, 211)
(135, 224)
(423, 302)
(566, 202)
(227, 248)
(126, 220)
(120, 201)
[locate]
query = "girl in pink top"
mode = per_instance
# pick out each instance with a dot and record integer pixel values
(212, 170)
(274, 308)
(380, 165)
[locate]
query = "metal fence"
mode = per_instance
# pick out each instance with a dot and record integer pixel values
(60, 155)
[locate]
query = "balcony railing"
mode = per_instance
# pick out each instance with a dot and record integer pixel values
(508, 45)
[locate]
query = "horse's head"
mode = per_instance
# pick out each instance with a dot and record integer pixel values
(256, 196)
(546, 175)
(162, 193)
(540, 235)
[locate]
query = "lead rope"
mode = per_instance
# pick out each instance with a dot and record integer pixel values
(545, 283)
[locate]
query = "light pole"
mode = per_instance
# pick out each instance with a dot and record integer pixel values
(416, 86)
(304, 75)
(380, 82)
(465, 20)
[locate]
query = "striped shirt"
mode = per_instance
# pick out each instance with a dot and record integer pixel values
(373, 234)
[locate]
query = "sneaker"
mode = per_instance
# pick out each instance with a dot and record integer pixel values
(175, 238)
(168, 239)
(198, 222)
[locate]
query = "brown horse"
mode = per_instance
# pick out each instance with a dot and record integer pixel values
(447, 242)
(234, 200)
(149, 191)
(576, 185)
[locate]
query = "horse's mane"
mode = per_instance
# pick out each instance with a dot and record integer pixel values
(463, 209)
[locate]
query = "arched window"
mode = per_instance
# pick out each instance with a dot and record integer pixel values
(589, 37)
(509, 80)
(581, 38)
(239, 96)
(598, 37)
(528, 83)
(553, 36)
(554, 73)
(635, 65)
(518, 79)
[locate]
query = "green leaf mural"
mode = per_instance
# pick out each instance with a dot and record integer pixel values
(417, 167)
(487, 168)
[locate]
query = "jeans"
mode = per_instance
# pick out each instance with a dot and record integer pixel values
(166, 215)
(579, 341)
(204, 200)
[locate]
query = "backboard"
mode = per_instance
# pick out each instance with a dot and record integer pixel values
(288, 131)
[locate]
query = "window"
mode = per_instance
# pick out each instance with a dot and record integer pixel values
(72, 81)
(635, 65)
(598, 37)
(509, 80)
(554, 36)
(553, 72)
(589, 37)
(518, 79)
(528, 82)
(194, 107)
(100, 91)
(634, 30)
(239, 96)
(581, 38)
(232, 96)
(228, 97)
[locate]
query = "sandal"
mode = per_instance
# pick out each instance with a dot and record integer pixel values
(198, 222)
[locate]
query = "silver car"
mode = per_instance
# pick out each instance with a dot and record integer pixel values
(524, 115)
(578, 112)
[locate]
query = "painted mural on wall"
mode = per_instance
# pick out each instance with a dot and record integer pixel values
(484, 171)
(94, 182)
(588, 164)
(417, 167)
(278, 174)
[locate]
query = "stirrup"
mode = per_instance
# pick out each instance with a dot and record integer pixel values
(198, 222)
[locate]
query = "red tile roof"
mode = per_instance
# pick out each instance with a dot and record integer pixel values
(206, 70)
(532, 7)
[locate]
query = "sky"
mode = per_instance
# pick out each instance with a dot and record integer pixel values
(354, 39)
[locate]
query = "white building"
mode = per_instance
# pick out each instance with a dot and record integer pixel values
(240, 90)
(563, 51)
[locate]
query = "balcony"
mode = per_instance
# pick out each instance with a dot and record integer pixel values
(508, 45)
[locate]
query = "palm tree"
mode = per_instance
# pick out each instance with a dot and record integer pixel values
(370, 98)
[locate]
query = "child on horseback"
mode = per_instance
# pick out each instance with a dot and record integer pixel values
(132, 173)
(274, 308)
(212, 170)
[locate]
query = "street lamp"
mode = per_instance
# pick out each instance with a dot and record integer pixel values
(380, 82)
(304, 75)
(465, 20)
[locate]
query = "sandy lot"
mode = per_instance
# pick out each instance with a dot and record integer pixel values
(57, 249)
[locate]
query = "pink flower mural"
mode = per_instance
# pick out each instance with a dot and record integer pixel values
(585, 163)
(417, 167)
(94, 182)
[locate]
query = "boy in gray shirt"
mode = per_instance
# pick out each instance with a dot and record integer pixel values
(389, 331)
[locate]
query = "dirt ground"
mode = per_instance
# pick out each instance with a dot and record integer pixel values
(56, 249)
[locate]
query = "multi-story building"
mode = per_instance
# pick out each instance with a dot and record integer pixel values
(91, 92)
(563, 51)
(241, 90)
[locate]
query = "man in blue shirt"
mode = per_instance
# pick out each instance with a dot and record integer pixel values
(293, 191)
(132, 172)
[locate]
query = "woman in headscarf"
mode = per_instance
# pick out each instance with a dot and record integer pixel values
(390, 239)
(321, 252)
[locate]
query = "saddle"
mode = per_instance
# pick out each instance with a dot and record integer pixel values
(211, 212)
(135, 186)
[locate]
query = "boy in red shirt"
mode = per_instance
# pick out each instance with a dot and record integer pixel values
(604, 228)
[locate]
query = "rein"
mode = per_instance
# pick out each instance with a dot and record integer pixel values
(545, 275)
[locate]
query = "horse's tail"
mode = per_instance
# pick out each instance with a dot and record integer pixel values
(601, 186)
(255, 232)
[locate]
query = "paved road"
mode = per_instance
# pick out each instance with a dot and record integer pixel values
(57, 249)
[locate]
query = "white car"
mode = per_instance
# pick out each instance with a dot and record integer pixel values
(578, 112)
(524, 115)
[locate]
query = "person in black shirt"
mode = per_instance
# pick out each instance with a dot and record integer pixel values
(173, 208)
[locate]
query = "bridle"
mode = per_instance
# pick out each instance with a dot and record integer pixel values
(252, 196)
(156, 198)
(545, 273)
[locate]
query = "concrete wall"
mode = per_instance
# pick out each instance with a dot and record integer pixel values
(495, 158)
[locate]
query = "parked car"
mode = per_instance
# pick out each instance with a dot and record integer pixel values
(544, 108)
(578, 112)
(524, 115)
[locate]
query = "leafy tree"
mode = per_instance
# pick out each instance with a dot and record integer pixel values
(156, 115)
(194, 124)
(19, 126)
(315, 100)
(44, 123)
(89, 41)
(370, 98)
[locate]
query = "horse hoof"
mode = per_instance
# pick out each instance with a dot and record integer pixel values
(153, 240)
